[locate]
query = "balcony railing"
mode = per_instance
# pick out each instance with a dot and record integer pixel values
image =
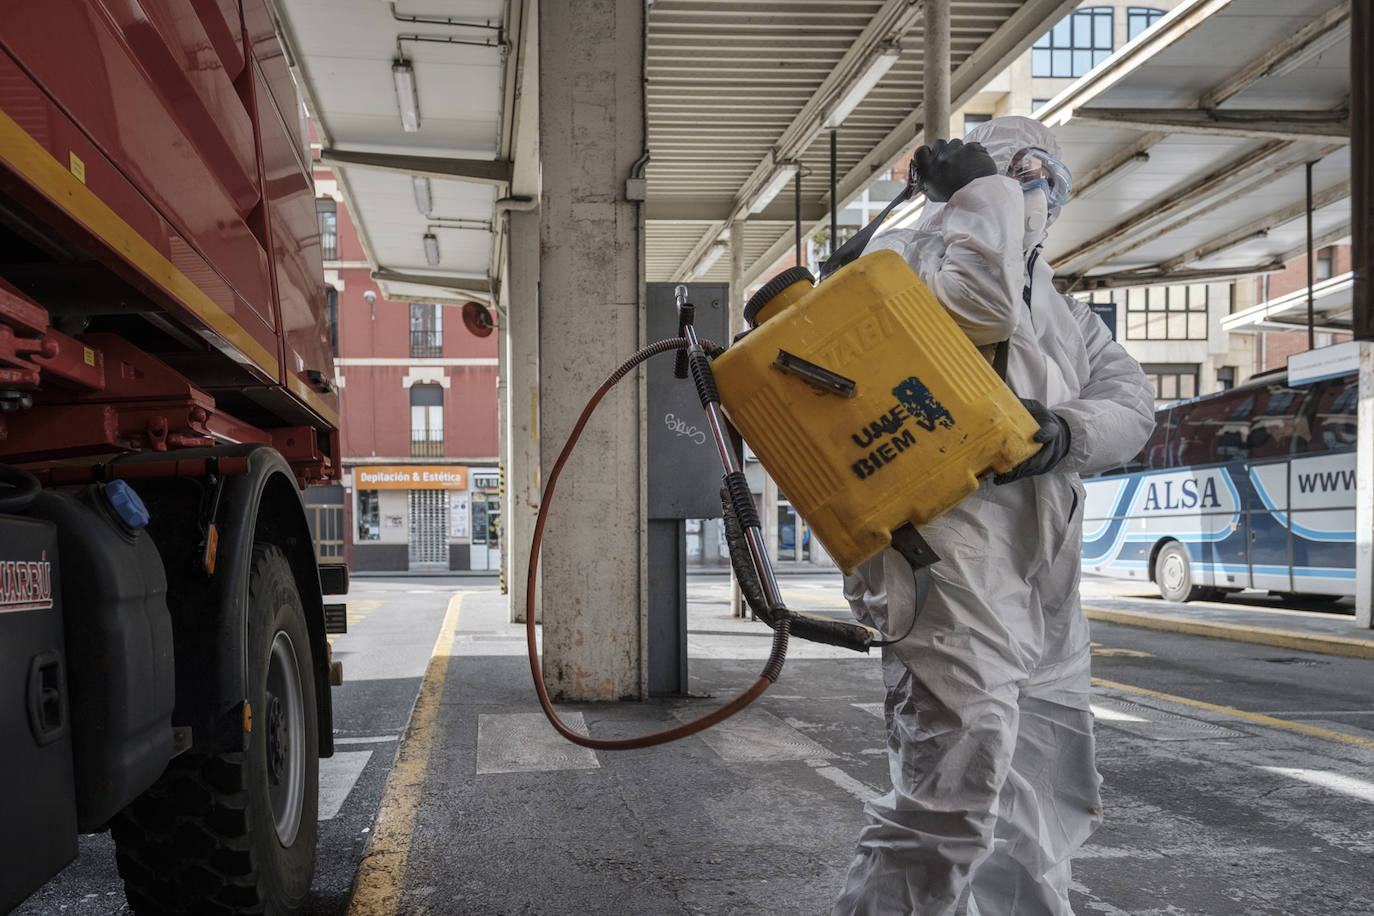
(426, 343)
(424, 445)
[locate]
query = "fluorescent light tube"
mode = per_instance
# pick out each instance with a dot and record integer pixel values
(708, 258)
(879, 62)
(778, 180)
(1318, 46)
(1110, 178)
(431, 249)
(423, 201)
(406, 98)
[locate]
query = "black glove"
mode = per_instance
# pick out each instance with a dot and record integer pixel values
(1053, 433)
(947, 166)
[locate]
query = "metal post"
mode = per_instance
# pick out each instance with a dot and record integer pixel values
(936, 68)
(1311, 308)
(834, 204)
(1361, 221)
(796, 214)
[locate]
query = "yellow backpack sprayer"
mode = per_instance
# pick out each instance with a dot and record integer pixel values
(865, 402)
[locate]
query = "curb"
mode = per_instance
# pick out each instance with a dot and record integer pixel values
(1268, 636)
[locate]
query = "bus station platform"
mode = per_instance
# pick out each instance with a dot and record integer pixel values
(488, 810)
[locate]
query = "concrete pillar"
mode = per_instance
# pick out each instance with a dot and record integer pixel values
(521, 432)
(936, 69)
(591, 132)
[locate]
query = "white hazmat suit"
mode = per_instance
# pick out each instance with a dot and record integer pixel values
(990, 737)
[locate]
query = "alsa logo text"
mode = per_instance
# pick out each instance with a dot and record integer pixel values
(25, 585)
(1188, 493)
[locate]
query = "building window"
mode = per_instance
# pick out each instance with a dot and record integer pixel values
(1037, 104)
(328, 212)
(331, 301)
(1226, 378)
(1167, 313)
(426, 330)
(1325, 262)
(369, 516)
(1140, 18)
(1077, 43)
(426, 421)
(972, 119)
(1172, 381)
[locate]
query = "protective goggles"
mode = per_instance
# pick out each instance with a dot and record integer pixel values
(1035, 168)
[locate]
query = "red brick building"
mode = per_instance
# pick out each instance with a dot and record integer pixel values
(418, 400)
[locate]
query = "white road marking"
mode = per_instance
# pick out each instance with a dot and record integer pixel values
(1107, 714)
(371, 739)
(842, 779)
(1345, 785)
(338, 775)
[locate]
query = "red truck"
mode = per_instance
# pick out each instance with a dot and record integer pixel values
(165, 396)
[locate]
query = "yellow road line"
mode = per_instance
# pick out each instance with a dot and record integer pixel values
(381, 877)
(1267, 636)
(1257, 718)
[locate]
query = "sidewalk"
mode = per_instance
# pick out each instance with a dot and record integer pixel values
(1247, 617)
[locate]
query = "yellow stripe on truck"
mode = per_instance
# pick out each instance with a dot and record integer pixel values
(28, 157)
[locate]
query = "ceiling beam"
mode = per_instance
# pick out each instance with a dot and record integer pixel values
(1155, 277)
(1262, 124)
(1261, 226)
(479, 285)
(483, 171)
(1032, 19)
(1318, 30)
(719, 209)
(1155, 212)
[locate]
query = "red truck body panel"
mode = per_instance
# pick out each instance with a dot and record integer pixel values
(162, 140)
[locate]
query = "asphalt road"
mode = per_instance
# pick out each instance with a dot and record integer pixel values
(1238, 779)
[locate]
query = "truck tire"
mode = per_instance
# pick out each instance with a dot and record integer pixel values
(236, 832)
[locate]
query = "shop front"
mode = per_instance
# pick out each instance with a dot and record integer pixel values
(413, 518)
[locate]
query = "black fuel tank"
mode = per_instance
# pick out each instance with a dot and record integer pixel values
(118, 645)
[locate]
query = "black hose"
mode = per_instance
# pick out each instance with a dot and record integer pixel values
(26, 488)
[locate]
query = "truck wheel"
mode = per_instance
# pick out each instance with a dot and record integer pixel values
(1174, 574)
(236, 832)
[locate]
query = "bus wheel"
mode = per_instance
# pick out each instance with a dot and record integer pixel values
(236, 832)
(1174, 574)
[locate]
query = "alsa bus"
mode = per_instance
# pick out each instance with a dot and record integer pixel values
(1250, 488)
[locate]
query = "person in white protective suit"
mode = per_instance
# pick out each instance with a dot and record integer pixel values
(990, 738)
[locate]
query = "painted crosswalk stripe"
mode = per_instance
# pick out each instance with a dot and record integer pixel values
(1345, 785)
(839, 777)
(338, 775)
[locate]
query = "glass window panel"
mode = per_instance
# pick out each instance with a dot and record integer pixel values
(1197, 326)
(1178, 326)
(369, 517)
(1155, 327)
(1135, 300)
(1063, 63)
(1082, 30)
(1197, 296)
(1168, 387)
(1187, 386)
(1040, 63)
(1158, 297)
(436, 424)
(1042, 42)
(417, 417)
(1178, 298)
(1082, 62)
(1100, 56)
(1062, 35)
(1102, 32)
(1135, 325)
